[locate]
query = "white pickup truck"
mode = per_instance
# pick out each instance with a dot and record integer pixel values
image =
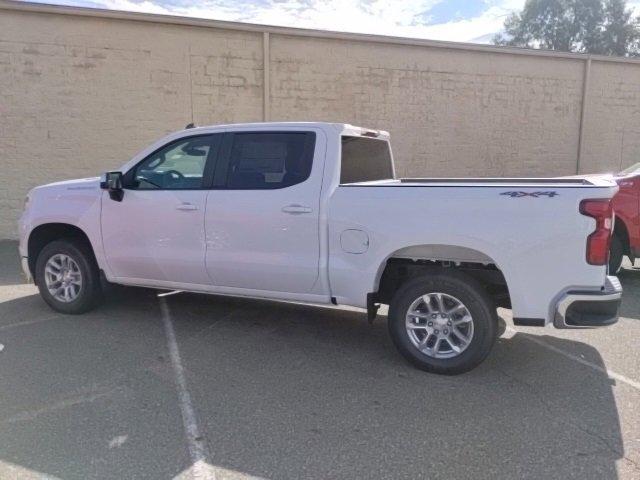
(313, 212)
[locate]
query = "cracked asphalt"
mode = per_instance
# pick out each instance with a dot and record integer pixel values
(288, 391)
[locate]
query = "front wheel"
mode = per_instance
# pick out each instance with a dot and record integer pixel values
(443, 323)
(68, 277)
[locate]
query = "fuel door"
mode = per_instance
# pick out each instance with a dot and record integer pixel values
(354, 241)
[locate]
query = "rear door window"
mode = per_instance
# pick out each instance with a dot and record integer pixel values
(269, 160)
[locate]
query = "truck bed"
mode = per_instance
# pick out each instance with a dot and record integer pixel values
(560, 182)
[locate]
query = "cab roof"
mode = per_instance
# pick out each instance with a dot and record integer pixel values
(341, 128)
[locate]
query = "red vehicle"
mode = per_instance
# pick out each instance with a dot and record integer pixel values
(626, 205)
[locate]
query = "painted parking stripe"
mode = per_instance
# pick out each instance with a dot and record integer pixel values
(196, 445)
(172, 292)
(28, 322)
(616, 376)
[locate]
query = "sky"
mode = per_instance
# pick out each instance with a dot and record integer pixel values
(475, 21)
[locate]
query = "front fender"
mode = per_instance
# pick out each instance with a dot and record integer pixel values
(80, 208)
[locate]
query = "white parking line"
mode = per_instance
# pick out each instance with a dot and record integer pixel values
(632, 383)
(172, 292)
(56, 406)
(28, 322)
(198, 451)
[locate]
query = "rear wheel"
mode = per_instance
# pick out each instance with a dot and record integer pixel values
(68, 277)
(616, 252)
(443, 323)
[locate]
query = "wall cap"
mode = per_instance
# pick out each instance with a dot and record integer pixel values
(298, 32)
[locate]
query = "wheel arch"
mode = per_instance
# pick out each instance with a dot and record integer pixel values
(48, 232)
(409, 261)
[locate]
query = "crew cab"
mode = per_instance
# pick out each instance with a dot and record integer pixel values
(626, 205)
(314, 212)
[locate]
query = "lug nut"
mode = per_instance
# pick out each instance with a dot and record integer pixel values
(443, 316)
(449, 323)
(436, 331)
(446, 332)
(434, 315)
(430, 324)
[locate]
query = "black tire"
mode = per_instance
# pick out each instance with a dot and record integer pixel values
(479, 304)
(90, 292)
(616, 252)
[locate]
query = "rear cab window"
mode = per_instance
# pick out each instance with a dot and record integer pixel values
(365, 159)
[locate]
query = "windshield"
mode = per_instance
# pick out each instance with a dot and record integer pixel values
(631, 170)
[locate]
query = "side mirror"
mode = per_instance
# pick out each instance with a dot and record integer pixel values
(113, 183)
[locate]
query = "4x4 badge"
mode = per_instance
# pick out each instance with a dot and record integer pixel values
(550, 194)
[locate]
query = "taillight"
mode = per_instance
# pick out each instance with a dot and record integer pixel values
(598, 242)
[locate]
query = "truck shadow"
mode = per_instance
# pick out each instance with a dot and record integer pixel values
(10, 271)
(630, 279)
(324, 377)
(294, 391)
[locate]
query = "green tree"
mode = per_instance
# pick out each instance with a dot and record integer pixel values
(605, 27)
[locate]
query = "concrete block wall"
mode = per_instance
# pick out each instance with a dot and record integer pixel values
(450, 112)
(81, 91)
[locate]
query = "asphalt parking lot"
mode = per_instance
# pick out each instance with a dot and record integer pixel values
(195, 386)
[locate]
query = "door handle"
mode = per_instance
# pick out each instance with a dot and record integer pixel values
(295, 209)
(187, 206)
